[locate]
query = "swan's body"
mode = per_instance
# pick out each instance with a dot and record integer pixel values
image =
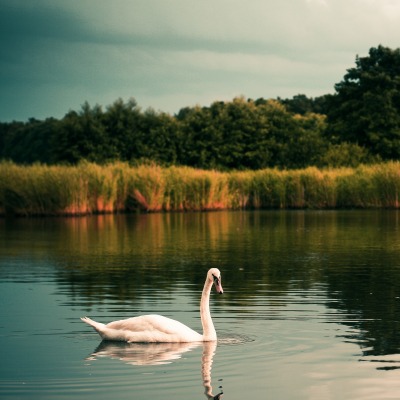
(156, 328)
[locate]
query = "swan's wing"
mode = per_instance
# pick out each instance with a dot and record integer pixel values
(155, 328)
(148, 323)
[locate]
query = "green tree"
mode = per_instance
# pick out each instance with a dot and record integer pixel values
(289, 140)
(305, 143)
(301, 104)
(29, 142)
(246, 134)
(82, 136)
(366, 106)
(223, 136)
(242, 128)
(11, 134)
(160, 137)
(122, 122)
(346, 155)
(201, 138)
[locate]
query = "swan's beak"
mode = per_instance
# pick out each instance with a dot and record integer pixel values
(218, 286)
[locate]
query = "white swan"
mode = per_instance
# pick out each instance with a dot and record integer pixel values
(156, 328)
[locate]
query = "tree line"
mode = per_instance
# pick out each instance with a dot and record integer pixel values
(359, 123)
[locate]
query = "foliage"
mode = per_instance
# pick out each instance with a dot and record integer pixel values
(366, 107)
(347, 155)
(227, 135)
(358, 124)
(301, 104)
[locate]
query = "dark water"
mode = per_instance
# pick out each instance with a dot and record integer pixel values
(311, 308)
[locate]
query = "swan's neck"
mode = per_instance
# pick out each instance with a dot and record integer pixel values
(208, 326)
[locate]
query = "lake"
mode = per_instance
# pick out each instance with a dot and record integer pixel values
(310, 310)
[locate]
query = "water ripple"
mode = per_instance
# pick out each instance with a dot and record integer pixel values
(234, 339)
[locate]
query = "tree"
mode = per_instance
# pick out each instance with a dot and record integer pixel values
(122, 122)
(305, 143)
(365, 109)
(160, 138)
(291, 140)
(201, 136)
(28, 142)
(346, 155)
(301, 104)
(246, 134)
(82, 136)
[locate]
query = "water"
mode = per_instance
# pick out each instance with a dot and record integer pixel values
(310, 310)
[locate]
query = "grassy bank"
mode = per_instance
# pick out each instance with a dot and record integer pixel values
(89, 188)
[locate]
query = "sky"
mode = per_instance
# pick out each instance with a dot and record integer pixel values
(55, 55)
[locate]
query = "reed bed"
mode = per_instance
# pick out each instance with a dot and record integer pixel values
(89, 188)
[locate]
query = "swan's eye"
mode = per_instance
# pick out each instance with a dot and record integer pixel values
(216, 279)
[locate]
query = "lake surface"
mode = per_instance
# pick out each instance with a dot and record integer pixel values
(310, 310)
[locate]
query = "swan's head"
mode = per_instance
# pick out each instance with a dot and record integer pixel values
(215, 276)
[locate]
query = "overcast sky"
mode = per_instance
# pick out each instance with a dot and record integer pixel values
(169, 54)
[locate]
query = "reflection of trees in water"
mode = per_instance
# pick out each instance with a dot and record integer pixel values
(263, 253)
(366, 289)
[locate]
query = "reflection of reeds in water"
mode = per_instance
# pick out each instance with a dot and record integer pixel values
(140, 354)
(88, 188)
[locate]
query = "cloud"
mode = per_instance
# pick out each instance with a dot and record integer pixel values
(170, 54)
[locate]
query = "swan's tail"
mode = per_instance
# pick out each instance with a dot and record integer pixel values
(98, 326)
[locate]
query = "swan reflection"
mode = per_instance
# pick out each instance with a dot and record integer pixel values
(207, 358)
(159, 354)
(142, 353)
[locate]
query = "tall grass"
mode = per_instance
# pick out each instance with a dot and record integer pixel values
(90, 188)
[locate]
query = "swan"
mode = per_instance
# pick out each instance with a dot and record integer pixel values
(160, 329)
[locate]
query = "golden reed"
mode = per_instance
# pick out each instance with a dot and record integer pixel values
(89, 188)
